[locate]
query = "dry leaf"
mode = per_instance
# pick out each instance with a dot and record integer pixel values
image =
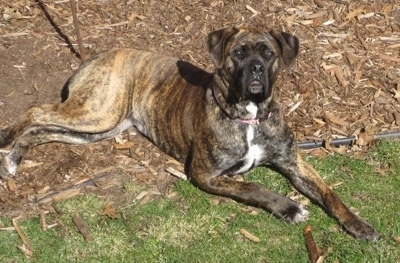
(12, 187)
(109, 210)
(340, 121)
(145, 177)
(342, 149)
(365, 138)
(359, 11)
(397, 239)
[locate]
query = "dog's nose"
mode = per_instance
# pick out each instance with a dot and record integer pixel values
(257, 68)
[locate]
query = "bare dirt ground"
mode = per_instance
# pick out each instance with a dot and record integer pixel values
(346, 80)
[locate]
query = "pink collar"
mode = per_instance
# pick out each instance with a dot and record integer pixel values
(252, 122)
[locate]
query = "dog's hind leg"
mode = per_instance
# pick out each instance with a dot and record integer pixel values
(39, 129)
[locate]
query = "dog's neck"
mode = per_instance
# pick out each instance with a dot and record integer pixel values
(251, 110)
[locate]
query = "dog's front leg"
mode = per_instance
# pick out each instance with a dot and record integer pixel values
(251, 194)
(305, 179)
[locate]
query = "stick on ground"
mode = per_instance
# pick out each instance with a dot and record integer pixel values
(77, 31)
(82, 227)
(26, 246)
(312, 248)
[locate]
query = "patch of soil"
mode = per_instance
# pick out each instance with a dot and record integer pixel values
(346, 80)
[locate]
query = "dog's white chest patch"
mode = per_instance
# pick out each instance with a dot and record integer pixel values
(252, 109)
(254, 153)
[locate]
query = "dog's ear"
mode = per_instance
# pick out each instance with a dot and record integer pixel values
(216, 42)
(289, 46)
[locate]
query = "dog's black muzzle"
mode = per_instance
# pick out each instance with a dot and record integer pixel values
(255, 83)
(256, 74)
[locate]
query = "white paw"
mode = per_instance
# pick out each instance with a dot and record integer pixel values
(7, 167)
(301, 216)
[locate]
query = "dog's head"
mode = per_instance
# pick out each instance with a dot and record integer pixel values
(248, 60)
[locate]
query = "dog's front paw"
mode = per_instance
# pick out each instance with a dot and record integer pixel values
(296, 214)
(361, 230)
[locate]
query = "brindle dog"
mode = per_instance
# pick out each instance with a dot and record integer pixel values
(216, 124)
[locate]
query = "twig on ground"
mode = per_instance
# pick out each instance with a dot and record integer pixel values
(77, 31)
(26, 247)
(82, 227)
(312, 247)
(10, 228)
(252, 10)
(42, 219)
(249, 235)
(176, 173)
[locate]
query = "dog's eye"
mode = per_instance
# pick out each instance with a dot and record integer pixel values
(269, 53)
(238, 52)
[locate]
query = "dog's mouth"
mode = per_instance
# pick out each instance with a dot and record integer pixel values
(255, 87)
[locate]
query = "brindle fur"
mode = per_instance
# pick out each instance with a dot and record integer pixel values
(172, 103)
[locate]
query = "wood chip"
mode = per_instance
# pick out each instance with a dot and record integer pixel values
(42, 219)
(176, 173)
(340, 76)
(252, 10)
(316, 22)
(18, 34)
(125, 145)
(396, 116)
(82, 227)
(387, 8)
(388, 57)
(249, 236)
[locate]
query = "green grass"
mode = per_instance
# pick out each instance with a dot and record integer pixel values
(190, 228)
